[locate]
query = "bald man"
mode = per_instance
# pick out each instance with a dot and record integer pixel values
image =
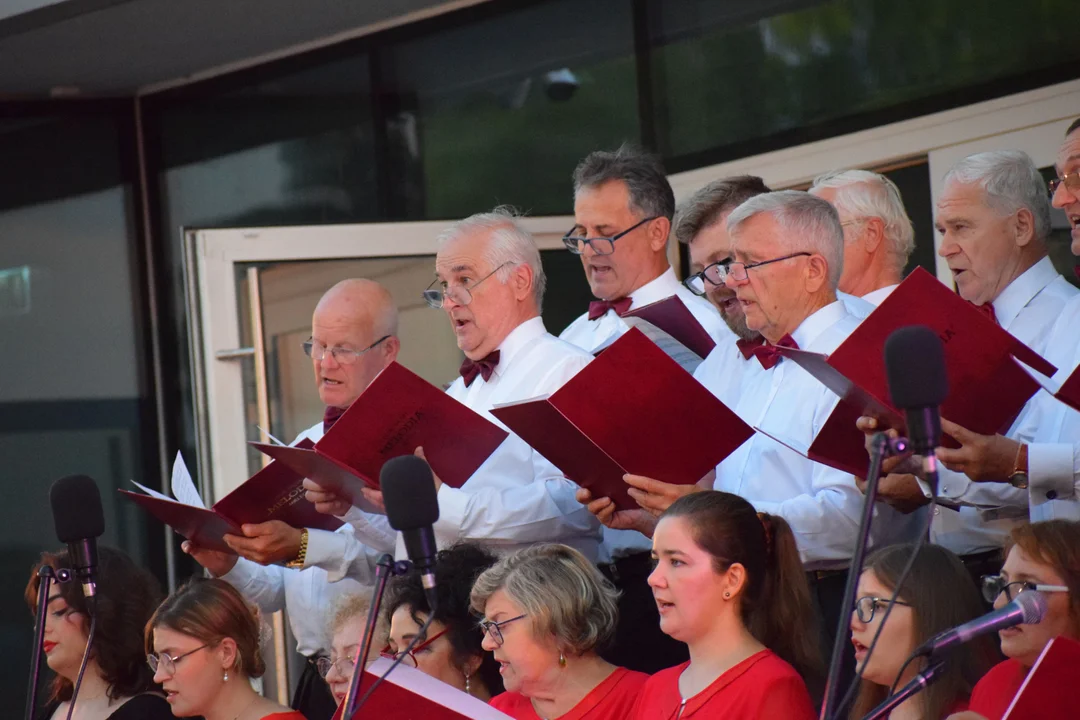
(353, 337)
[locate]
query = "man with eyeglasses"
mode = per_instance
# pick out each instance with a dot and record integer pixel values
(994, 218)
(353, 337)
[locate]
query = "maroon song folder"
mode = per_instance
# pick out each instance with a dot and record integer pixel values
(274, 493)
(1050, 690)
(398, 412)
(987, 389)
(673, 317)
(1067, 391)
(631, 410)
(409, 694)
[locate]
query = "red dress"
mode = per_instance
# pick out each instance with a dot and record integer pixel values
(613, 699)
(294, 715)
(997, 688)
(761, 686)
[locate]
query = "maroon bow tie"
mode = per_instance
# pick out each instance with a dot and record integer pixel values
(987, 309)
(482, 367)
(768, 354)
(330, 417)
(597, 308)
(747, 347)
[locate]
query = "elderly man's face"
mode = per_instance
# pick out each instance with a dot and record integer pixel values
(604, 211)
(482, 324)
(1068, 162)
(979, 244)
(856, 253)
(712, 245)
(338, 324)
(774, 296)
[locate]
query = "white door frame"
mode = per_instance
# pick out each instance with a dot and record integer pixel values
(211, 257)
(1014, 121)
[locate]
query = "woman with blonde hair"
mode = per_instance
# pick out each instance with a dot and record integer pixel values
(548, 612)
(346, 631)
(203, 645)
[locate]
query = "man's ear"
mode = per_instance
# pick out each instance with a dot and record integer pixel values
(659, 229)
(521, 281)
(817, 273)
(1022, 224)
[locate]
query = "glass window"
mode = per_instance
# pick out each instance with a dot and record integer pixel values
(730, 72)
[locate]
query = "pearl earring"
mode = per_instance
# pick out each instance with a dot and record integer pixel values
(226, 678)
(562, 660)
(468, 685)
(727, 595)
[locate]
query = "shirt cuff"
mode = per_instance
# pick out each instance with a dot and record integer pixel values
(952, 485)
(326, 550)
(453, 505)
(243, 574)
(1050, 472)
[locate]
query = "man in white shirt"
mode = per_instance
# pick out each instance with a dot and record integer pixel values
(994, 219)
(353, 337)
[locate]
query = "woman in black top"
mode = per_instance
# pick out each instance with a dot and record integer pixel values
(117, 684)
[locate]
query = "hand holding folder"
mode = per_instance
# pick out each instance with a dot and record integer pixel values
(631, 410)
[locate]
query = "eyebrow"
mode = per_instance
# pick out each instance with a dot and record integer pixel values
(667, 553)
(57, 596)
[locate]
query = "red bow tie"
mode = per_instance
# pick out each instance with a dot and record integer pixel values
(598, 308)
(987, 309)
(330, 417)
(747, 347)
(768, 354)
(482, 367)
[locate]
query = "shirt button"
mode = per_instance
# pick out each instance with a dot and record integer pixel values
(1051, 494)
(937, 511)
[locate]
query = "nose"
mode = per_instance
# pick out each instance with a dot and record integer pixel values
(488, 643)
(1063, 197)
(328, 360)
(948, 247)
(856, 624)
(656, 578)
(160, 676)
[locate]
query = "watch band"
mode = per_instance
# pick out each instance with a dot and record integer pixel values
(298, 561)
(1018, 478)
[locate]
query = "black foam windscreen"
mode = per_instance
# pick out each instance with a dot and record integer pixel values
(915, 365)
(76, 508)
(409, 493)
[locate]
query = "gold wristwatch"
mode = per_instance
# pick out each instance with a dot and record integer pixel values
(1018, 478)
(298, 561)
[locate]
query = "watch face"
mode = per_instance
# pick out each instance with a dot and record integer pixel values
(1019, 480)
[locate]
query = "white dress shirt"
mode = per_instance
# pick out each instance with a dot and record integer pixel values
(336, 564)
(822, 505)
(516, 497)
(1027, 308)
(1052, 430)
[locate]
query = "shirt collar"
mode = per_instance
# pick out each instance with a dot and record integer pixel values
(662, 286)
(819, 322)
(876, 297)
(518, 338)
(1017, 294)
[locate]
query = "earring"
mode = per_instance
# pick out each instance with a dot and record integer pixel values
(468, 685)
(727, 594)
(226, 678)
(562, 660)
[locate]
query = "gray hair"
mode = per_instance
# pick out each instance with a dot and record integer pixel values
(650, 192)
(1010, 182)
(708, 204)
(809, 223)
(563, 594)
(509, 244)
(865, 194)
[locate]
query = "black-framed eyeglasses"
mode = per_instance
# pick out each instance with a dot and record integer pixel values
(866, 606)
(739, 271)
(438, 291)
(343, 356)
(1071, 181)
(167, 663)
(994, 585)
(494, 629)
(714, 275)
(599, 245)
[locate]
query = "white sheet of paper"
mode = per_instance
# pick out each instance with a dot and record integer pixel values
(273, 439)
(183, 486)
(1049, 384)
(152, 493)
(437, 691)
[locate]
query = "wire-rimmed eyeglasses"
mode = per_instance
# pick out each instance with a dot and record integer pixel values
(167, 663)
(342, 356)
(994, 585)
(599, 245)
(1071, 181)
(439, 291)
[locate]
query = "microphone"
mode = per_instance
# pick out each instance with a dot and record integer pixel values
(412, 508)
(1027, 609)
(79, 521)
(915, 365)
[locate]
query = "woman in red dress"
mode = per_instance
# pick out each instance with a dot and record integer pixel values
(547, 610)
(729, 583)
(937, 594)
(1044, 557)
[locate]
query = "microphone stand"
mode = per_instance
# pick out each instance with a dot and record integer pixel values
(45, 581)
(880, 448)
(918, 683)
(384, 569)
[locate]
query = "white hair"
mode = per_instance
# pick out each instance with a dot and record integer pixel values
(809, 223)
(1010, 181)
(508, 244)
(865, 194)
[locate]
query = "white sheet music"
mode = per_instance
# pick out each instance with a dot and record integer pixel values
(183, 487)
(435, 690)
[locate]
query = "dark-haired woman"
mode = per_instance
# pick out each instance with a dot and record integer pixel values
(117, 684)
(203, 644)
(451, 650)
(938, 594)
(729, 583)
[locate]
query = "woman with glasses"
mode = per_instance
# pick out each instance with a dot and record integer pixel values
(547, 613)
(729, 583)
(347, 631)
(1041, 557)
(937, 594)
(203, 645)
(116, 684)
(450, 648)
